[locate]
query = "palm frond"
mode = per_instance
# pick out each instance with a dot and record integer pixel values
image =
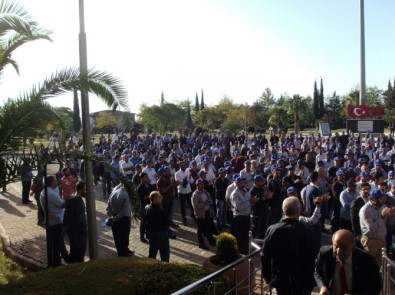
(108, 88)
(22, 116)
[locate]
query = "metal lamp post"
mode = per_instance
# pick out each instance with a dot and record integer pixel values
(90, 199)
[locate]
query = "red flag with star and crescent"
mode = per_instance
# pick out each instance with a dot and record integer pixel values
(363, 111)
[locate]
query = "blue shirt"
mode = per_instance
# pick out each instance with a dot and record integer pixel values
(55, 206)
(346, 198)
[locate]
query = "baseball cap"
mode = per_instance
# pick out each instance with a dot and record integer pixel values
(137, 166)
(201, 172)
(377, 193)
(290, 167)
(199, 181)
(239, 179)
(336, 159)
(235, 176)
(221, 170)
(391, 173)
(363, 173)
(258, 178)
(339, 172)
(291, 190)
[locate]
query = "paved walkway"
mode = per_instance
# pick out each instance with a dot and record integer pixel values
(25, 241)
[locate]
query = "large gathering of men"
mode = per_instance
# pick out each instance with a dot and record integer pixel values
(287, 190)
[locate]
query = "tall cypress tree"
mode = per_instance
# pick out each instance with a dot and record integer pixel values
(321, 105)
(162, 99)
(202, 101)
(76, 113)
(316, 109)
(188, 122)
(197, 103)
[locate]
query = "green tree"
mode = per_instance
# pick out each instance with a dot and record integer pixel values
(188, 121)
(196, 103)
(278, 118)
(76, 113)
(321, 104)
(162, 98)
(105, 120)
(66, 116)
(389, 103)
(316, 106)
(202, 101)
(334, 107)
(166, 117)
(267, 100)
(29, 111)
(296, 107)
(210, 118)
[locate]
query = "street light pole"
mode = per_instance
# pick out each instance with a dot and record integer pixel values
(362, 92)
(90, 198)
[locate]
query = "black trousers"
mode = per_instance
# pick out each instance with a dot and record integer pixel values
(26, 184)
(55, 244)
(203, 228)
(78, 241)
(240, 229)
(120, 231)
(186, 198)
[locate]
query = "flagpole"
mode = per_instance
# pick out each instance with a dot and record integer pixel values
(362, 93)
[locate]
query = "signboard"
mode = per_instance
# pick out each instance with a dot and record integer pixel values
(364, 126)
(325, 130)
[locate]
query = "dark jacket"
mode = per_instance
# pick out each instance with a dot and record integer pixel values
(74, 215)
(366, 278)
(287, 259)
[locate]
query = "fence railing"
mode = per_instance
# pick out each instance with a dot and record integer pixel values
(250, 283)
(388, 268)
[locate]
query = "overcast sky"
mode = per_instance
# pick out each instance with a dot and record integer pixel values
(235, 48)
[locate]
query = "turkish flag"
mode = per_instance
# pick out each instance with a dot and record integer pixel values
(359, 112)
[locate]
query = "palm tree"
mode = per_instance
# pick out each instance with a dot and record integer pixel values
(29, 111)
(16, 29)
(296, 106)
(278, 118)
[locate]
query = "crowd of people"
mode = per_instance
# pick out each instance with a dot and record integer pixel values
(241, 182)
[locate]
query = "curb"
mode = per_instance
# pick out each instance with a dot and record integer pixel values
(14, 256)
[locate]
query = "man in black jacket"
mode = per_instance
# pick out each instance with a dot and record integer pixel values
(157, 225)
(76, 225)
(344, 269)
(287, 259)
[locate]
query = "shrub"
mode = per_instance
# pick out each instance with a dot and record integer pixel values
(227, 250)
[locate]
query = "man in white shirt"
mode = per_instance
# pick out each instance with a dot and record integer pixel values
(150, 170)
(183, 181)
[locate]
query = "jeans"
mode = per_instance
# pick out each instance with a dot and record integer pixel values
(159, 241)
(221, 213)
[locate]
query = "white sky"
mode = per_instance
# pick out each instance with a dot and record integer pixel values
(235, 48)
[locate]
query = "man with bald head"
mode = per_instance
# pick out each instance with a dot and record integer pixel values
(287, 256)
(344, 269)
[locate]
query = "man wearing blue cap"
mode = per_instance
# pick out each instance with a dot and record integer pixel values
(338, 186)
(202, 206)
(275, 185)
(373, 216)
(241, 201)
(221, 183)
(260, 210)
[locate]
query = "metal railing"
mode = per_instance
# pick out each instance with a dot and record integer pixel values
(253, 273)
(388, 267)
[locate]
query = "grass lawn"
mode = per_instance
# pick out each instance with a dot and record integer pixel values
(9, 270)
(114, 276)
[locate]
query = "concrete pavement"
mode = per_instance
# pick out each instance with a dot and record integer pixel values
(25, 241)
